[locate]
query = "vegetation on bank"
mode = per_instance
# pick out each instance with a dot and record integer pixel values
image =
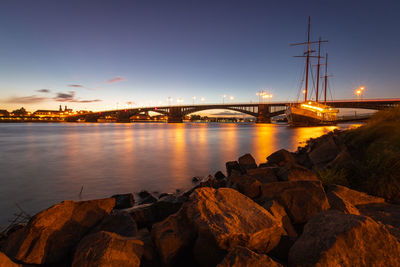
(375, 157)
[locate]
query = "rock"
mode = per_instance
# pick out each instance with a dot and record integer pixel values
(143, 194)
(354, 197)
(281, 157)
(219, 175)
(245, 184)
(342, 159)
(295, 172)
(124, 201)
(226, 218)
(172, 237)
(388, 214)
(196, 179)
(165, 207)
(280, 214)
(215, 221)
(108, 249)
(264, 175)
(119, 222)
(301, 199)
(333, 238)
(39, 242)
(241, 256)
(212, 182)
(164, 194)
(247, 162)
(324, 150)
(233, 166)
(6, 262)
(337, 203)
(148, 214)
(147, 200)
(143, 215)
(281, 251)
(150, 257)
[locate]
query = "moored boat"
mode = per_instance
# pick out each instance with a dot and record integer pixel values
(312, 112)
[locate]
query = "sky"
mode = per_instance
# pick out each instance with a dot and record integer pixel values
(101, 55)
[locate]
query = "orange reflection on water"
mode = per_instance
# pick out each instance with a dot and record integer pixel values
(301, 134)
(264, 141)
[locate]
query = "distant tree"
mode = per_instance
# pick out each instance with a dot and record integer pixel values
(195, 117)
(20, 112)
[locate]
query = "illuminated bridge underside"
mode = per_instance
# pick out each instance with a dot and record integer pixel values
(263, 112)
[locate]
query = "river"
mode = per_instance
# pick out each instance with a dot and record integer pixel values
(42, 164)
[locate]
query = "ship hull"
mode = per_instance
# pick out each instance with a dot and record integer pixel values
(299, 117)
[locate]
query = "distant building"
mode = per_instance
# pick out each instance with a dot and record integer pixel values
(53, 113)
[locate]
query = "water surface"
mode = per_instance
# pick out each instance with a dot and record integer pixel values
(42, 164)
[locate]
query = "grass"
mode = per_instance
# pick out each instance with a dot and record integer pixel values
(375, 148)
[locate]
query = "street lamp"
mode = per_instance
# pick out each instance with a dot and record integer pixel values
(231, 98)
(202, 100)
(223, 98)
(179, 100)
(194, 98)
(169, 100)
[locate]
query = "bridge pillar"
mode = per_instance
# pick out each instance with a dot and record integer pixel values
(175, 115)
(123, 116)
(263, 115)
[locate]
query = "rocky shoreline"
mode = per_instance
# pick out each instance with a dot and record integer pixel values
(276, 213)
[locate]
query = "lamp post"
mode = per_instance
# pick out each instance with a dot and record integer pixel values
(232, 98)
(202, 100)
(223, 98)
(193, 98)
(169, 100)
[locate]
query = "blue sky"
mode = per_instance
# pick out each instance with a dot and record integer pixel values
(95, 54)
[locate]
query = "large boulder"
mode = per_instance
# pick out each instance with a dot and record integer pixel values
(150, 257)
(241, 256)
(247, 162)
(120, 223)
(295, 172)
(40, 241)
(388, 214)
(333, 238)
(6, 262)
(124, 201)
(281, 157)
(233, 167)
(352, 196)
(173, 237)
(147, 214)
(216, 221)
(324, 150)
(278, 211)
(105, 249)
(340, 204)
(301, 199)
(246, 184)
(264, 174)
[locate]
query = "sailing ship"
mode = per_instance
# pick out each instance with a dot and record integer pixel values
(312, 112)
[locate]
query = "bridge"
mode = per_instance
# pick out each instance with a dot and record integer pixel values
(263, 112)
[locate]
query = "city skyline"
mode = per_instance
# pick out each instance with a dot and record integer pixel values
(98, 55)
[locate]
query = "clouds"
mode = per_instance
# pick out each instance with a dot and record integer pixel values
(70, 97)
(32, 99)
(115, 80)
(59, 97)
(76, 85)
(43, 91)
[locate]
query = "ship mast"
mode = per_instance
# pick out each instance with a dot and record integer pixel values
(326, 74)
(319, 57)
(308, 56)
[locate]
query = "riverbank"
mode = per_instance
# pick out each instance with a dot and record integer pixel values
(275, 213)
